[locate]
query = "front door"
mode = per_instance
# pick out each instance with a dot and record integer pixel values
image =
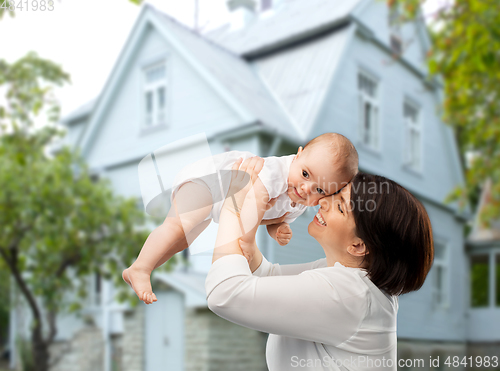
(164, 337)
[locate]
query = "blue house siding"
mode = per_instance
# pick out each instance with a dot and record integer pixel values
(418, 316)
(302, 248)
(124, 179)
(341, 114)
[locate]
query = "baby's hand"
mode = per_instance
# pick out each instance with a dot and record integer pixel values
(283, 234)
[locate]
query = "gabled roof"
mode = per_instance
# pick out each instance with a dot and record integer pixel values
(234, 73)
(294, 20)
(79, 113)
(300, 76)
(229, 75)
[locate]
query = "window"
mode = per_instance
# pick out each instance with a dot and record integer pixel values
(396, 40)
(155, 90)
(95, 289)
(413, 136)
(368, 110)
(479, 280)
(485, 280)
(440, 276)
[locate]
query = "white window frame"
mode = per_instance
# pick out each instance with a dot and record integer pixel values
(395, 32)
(413, 154)
(94, 296)
(157, 117)
(491, 255)
(369, 138)
(441, 266)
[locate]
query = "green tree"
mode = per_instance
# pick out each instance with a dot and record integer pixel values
(466, 54)
(58, 226)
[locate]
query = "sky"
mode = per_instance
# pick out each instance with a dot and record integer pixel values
(86, 37)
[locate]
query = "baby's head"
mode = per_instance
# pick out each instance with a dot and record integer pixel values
(326, 164)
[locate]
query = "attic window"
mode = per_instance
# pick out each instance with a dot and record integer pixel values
(396, 39)
(396, 44)
(155, 94)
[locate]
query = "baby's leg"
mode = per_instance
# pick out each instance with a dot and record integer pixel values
(191, 205)
(183, 242)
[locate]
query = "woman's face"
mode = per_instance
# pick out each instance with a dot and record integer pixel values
(333, 226)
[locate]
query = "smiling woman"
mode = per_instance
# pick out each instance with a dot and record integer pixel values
(339, 312)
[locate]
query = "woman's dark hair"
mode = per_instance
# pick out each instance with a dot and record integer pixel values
(397, 233)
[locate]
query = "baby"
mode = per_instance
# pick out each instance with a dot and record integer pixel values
(326, 164)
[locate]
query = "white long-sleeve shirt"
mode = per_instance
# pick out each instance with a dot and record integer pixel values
(318, 317)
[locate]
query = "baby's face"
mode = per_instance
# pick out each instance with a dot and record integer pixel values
(312, 177)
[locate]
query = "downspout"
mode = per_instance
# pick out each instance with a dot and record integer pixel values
(106, 326)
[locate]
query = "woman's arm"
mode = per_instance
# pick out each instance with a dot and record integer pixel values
(266, 268)
(308, 306)
(260, 266)
(242, 213)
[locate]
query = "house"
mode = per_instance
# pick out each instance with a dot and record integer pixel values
(279, 74)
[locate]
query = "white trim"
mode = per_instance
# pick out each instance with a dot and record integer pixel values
(443, 263)
(411, 128)
(364, 98)
(153, 88)
(489, 254)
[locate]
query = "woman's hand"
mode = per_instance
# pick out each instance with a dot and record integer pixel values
(242, 180)
(245, 194)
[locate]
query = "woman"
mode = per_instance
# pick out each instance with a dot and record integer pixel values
(339, 312)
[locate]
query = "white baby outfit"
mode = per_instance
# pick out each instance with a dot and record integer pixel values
(274, 176)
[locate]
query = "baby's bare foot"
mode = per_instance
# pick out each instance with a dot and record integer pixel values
(139, 280)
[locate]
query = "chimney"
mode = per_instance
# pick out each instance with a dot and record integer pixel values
(242, 13)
